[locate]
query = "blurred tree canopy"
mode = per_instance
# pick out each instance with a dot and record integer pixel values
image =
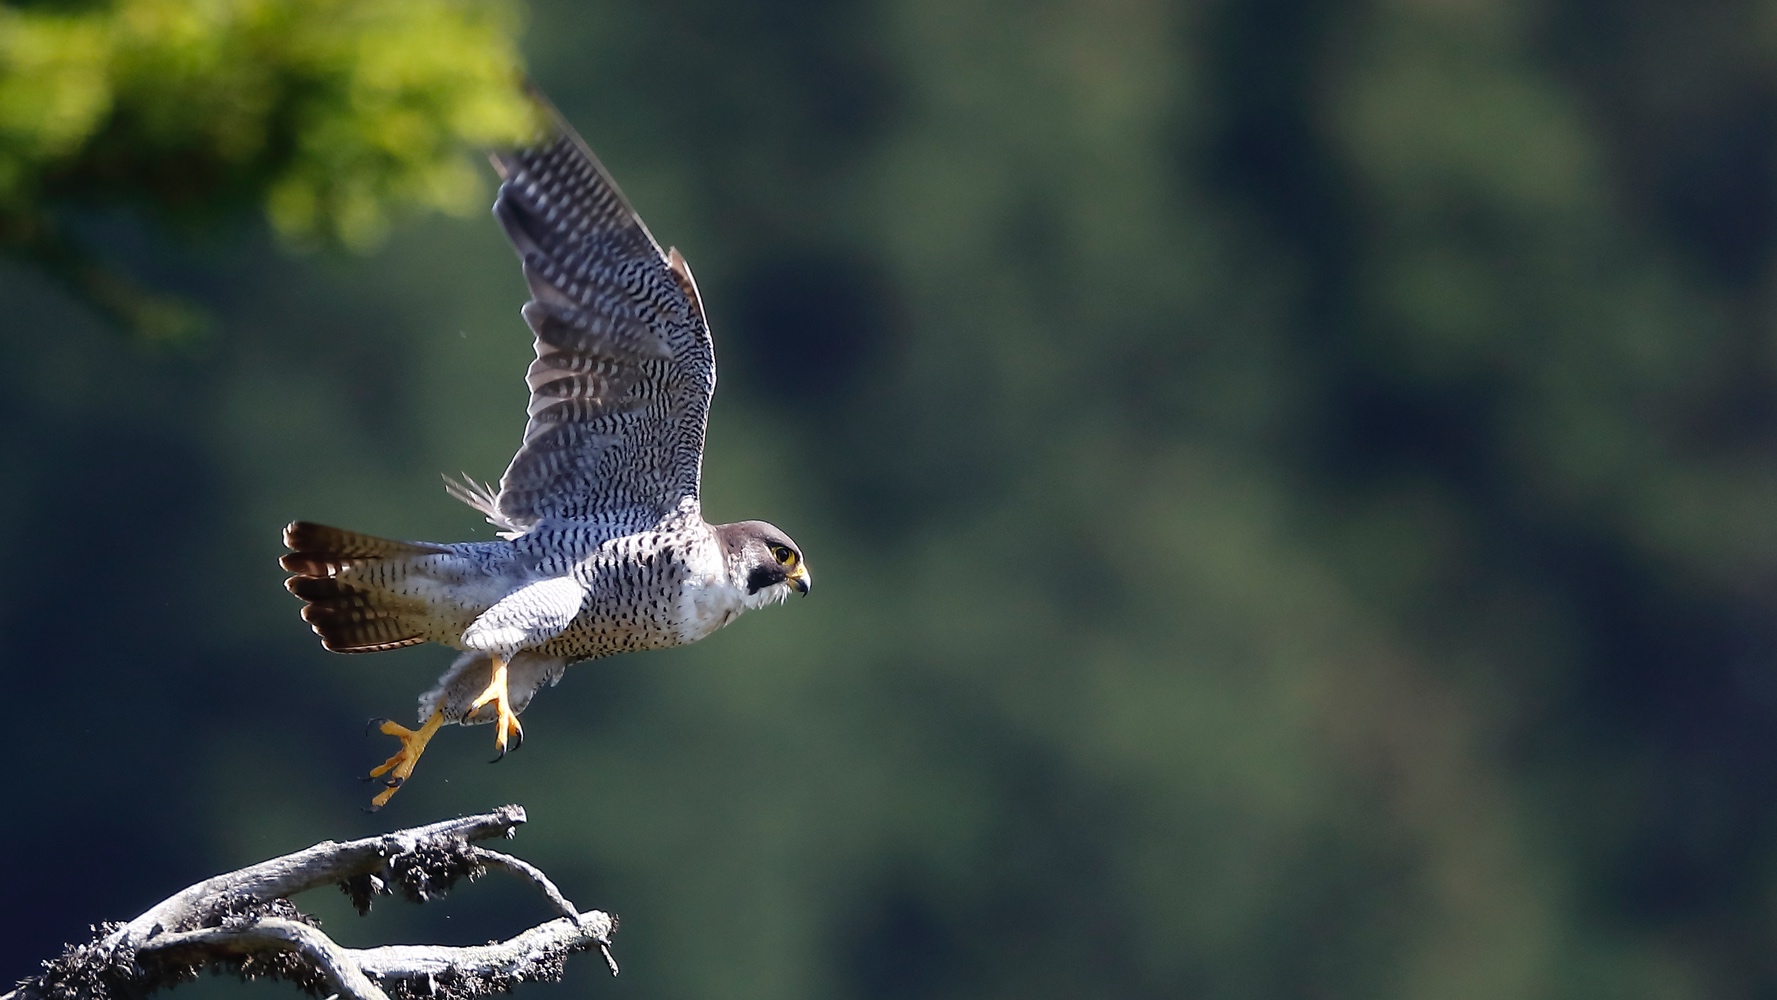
(327, 115)
(1289, 486)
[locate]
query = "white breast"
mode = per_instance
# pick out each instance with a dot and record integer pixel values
(707, 601)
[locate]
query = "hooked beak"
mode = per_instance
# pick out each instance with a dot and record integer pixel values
(799, 579)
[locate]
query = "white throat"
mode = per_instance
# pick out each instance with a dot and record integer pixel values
(711, 600)
(777, 593)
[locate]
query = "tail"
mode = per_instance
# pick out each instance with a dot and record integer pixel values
(348, 616)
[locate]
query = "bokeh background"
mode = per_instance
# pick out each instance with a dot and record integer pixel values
(1291, 485)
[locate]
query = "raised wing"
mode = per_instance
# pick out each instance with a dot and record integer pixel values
(620, 389)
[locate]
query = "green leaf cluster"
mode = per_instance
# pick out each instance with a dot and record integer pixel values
(330, 116)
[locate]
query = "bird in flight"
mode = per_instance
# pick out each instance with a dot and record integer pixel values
(603, 547)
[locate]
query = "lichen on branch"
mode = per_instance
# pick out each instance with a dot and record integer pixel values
(243, 922)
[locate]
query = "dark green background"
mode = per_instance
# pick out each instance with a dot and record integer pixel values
(1291, 488)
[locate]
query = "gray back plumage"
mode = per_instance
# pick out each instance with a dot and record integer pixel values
(621, 385)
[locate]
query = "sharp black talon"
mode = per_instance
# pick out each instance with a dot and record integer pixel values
(372, 809)
(395, 782)
(377, 722)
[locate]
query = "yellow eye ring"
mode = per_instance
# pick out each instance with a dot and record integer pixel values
(783, 555)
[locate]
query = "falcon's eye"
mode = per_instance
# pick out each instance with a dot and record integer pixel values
(783, 555)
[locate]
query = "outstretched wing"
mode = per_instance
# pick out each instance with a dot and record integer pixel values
(620, 389)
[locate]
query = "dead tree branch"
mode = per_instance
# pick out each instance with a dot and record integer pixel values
(244, 921)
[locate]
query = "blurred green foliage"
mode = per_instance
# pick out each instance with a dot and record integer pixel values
(1288, 486)
(328, 115)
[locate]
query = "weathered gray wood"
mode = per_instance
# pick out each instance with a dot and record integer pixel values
(233, 914)
(344, 974)
(517, 957)
(323, 864)
(526, 870)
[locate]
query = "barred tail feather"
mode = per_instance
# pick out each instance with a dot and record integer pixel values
(317, 550)
(349, 618)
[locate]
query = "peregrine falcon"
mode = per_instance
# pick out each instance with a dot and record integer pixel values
(602, 543)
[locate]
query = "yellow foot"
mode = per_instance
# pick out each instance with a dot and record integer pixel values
(400, 766)
(506, 727)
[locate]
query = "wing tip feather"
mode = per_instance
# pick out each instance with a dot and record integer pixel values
(575, 233)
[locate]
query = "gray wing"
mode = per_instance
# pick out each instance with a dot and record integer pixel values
(620, 389)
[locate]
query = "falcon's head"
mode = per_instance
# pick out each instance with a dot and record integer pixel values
(763, 564)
